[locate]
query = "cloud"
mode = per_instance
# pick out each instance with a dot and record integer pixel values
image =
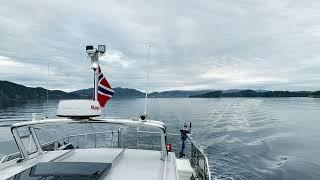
(208, 45)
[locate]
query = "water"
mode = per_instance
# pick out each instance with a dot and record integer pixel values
(246, 138)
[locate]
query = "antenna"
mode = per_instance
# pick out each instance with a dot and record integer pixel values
(147, 83)
(48, 83)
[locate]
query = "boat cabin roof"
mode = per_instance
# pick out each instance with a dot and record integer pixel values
(101, 163)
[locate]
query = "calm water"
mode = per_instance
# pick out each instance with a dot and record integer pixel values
(246, 138)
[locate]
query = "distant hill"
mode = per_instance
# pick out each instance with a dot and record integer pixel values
(176, 94)
(133, 93)
(12, 92)
(85, 93)
(315, 94)
(120, 93)
(252, 93)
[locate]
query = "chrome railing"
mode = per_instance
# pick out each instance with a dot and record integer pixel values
(56, 144)
(10, 157)
(196, 155)
(115, 138)
(199, 161)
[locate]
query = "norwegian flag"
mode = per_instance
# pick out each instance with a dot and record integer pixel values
(105, 91)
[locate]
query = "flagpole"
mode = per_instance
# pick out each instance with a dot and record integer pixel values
(48, 83)
(96, 84)
(94, 53)
(95, 69)
(94, 87)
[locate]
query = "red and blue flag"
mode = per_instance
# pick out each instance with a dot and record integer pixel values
(105, 91)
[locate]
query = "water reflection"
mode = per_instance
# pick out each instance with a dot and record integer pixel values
(247, 138)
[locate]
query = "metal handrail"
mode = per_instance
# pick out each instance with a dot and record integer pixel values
(197, 155)
(199, 161)
(77, 135)
(10, 157)
(67, 139)
(129, 122)
(15, 155)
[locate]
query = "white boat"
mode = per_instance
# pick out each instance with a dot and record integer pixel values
(62, 159)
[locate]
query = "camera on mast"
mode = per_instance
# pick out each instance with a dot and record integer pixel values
(90, 50)
(94, 54)
(101, 49)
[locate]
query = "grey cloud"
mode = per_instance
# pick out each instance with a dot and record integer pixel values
(208, 45)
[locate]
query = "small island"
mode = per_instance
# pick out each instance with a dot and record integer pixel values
(252, 93)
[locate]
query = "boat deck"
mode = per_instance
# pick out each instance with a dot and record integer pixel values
(126, 164)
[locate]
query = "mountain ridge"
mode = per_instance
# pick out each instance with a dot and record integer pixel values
(121, 92)
(11, 92)
(253, 93)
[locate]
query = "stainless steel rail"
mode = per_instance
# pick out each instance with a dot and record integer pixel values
(10, 157)
(161, 127)
(196, 155)
(199, 161)
(115, 137)
(74, 139)
(67, 139)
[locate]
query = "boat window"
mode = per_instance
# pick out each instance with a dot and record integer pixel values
(65, 171)
(27, 140)
(148, 139)
(78, 135)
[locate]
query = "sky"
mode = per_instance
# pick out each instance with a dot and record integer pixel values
(209, 44)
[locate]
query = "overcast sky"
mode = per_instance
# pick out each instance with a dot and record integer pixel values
(214, 44)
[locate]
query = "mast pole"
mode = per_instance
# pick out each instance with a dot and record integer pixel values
(147, 83)
(96, 84)
(95, 58)
(48, 83)
(94, 54)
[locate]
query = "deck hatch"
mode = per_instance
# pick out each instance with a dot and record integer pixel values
(65, 170)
